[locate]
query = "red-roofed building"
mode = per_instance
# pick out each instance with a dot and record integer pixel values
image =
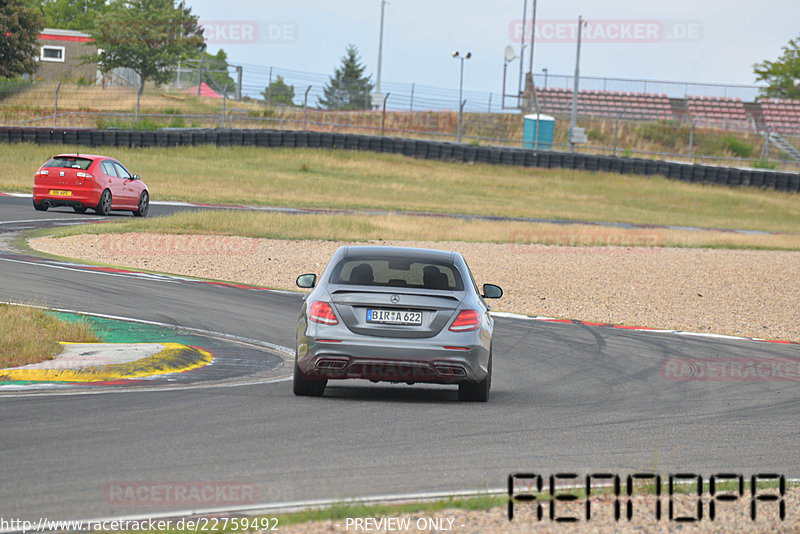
(61, 56)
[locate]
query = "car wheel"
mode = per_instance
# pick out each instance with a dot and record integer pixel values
(79, 210)
(144, 205)
(479, 392)
(303, 387)
(104, 206)
(39, 207)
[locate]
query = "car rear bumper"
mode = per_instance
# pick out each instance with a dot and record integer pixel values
(404, 360)
(80, 197)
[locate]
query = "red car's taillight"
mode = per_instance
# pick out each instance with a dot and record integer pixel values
(84, 175)
(467, 320)
(321, 312)
(41, 174)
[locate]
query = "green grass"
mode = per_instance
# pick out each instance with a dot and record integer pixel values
(349, 179)
(415, 228)
(30, 335)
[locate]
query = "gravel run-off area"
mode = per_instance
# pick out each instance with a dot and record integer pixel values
(747, 293)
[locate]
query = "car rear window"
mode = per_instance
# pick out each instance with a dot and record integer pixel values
(397, 272)
(69, 162)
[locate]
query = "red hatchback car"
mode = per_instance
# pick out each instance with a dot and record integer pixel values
(86, 181)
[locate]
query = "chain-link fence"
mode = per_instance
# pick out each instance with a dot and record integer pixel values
(93, 106)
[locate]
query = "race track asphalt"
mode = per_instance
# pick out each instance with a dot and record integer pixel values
(565, 398)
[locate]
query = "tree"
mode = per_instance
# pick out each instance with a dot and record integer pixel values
(19, 38)
(279, 93)
(71, 14)
(348, 88)
(215, 71)
(783, 75)
(147, 36)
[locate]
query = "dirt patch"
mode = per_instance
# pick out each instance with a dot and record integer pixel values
(736, 292)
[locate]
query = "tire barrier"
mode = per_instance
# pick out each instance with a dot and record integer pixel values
(415, 148)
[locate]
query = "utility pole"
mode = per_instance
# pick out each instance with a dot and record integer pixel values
(461, 103)
(377, 94)
(573, 116)
(522, 46)
(200, 72)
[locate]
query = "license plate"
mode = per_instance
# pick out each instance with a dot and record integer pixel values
(410, 318)
(60, 193)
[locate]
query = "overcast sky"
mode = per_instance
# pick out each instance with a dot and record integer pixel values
(687, 40)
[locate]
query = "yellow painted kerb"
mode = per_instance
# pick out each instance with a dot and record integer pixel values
(175, 358)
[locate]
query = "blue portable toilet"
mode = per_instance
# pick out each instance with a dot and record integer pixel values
(544, 131)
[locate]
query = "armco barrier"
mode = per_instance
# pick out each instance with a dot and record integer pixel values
(416, 148)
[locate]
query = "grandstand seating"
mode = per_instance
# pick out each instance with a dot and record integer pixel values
(782, 116)
(606, 103)
(728, 113)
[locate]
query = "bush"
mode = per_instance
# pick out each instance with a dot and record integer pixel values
(12, 86)
(177, 122)
(594, 134)
(666, 133)
(145, 125)
(740, 148)
(764, 164)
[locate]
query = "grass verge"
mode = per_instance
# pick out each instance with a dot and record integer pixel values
(496, 503)
(359, 180)
(30, 335)
(518, 235)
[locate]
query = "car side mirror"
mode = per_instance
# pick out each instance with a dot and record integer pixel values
(491, 291)
(307, 281)
(136, 177)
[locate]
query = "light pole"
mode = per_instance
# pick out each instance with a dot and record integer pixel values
(522, 45)
(508, 57)
(305, 106)
(376, 96)
(458, 56)
(573, 116)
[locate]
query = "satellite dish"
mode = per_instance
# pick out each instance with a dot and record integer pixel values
(509, 53)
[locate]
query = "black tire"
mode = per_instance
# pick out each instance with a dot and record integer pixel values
(39, 207)
(468, 392)
(303, 387)
(144, 205)
(79, 210)
(104, 206)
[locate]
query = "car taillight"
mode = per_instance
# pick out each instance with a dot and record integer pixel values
(321, 312)
(84, 175)
(41, 173)
(467, 320)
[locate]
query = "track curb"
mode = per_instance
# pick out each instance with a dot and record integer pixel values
(174, 358)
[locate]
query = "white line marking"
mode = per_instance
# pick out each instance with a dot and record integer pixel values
(95, 271)
(74, 219)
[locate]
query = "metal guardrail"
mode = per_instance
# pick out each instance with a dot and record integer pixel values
(417, 148)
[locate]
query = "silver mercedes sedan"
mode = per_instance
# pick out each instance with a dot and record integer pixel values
(399, 315)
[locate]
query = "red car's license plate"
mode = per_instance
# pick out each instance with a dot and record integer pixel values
(60, 193)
